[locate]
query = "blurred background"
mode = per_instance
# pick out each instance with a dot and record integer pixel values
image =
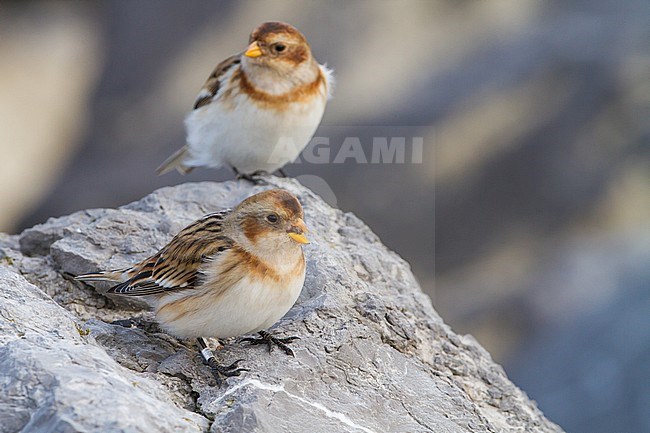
(527, 221)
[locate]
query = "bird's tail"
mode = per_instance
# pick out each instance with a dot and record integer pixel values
(111, 276)
(175, 161)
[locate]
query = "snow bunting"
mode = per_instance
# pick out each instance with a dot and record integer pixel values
(258, 109)
(230, 273)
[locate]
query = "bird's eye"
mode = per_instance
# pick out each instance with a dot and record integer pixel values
(272, 218)
(279, 48)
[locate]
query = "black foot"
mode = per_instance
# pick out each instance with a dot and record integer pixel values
(221, 371)
(282, 173)
(272, 341)
(254, 178)
(218, 371)
(138, 322)
(251, 178)
(127, 323)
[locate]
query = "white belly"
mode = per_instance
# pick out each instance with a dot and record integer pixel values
(242, 309)
(249, 137)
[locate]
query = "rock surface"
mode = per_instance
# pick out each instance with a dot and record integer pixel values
(373, 356)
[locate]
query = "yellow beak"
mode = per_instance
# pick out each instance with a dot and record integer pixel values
(253, 50)
(298, 231)
(300, 238)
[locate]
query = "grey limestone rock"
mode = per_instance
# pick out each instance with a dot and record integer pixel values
(373, 355)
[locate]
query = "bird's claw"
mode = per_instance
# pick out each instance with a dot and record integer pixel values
(126, 323)
(255, 178)
(220, 371)
(137, 322)
(271, 342)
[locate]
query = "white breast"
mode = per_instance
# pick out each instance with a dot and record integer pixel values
(246, 307)
(248, 136)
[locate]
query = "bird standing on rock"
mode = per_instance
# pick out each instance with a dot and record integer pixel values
(258, 109)
(228, 274)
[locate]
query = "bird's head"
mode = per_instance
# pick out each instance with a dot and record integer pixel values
(271, 222)
(277, 46)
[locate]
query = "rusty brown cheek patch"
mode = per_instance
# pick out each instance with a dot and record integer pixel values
(252, 229)
(297, 55)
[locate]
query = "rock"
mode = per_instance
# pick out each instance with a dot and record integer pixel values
(56, 377)
(373, 356)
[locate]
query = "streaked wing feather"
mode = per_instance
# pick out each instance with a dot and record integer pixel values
(178, 265)
(213, 84)
(140, 290)
(111, 276)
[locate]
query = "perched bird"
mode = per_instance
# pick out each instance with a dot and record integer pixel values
(258, 109)
(230, 273)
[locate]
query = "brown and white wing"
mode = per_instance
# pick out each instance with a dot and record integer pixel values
(208, 93)
(178, 265)
(215, 81)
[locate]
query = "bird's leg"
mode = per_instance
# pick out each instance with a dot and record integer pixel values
(218, 371)
(282, 173)
(253, 178)
(257, 177)
(138, 322)
(126, 323)
(271, 341)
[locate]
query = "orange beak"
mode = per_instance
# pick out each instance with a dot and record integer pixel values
(253, 50)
